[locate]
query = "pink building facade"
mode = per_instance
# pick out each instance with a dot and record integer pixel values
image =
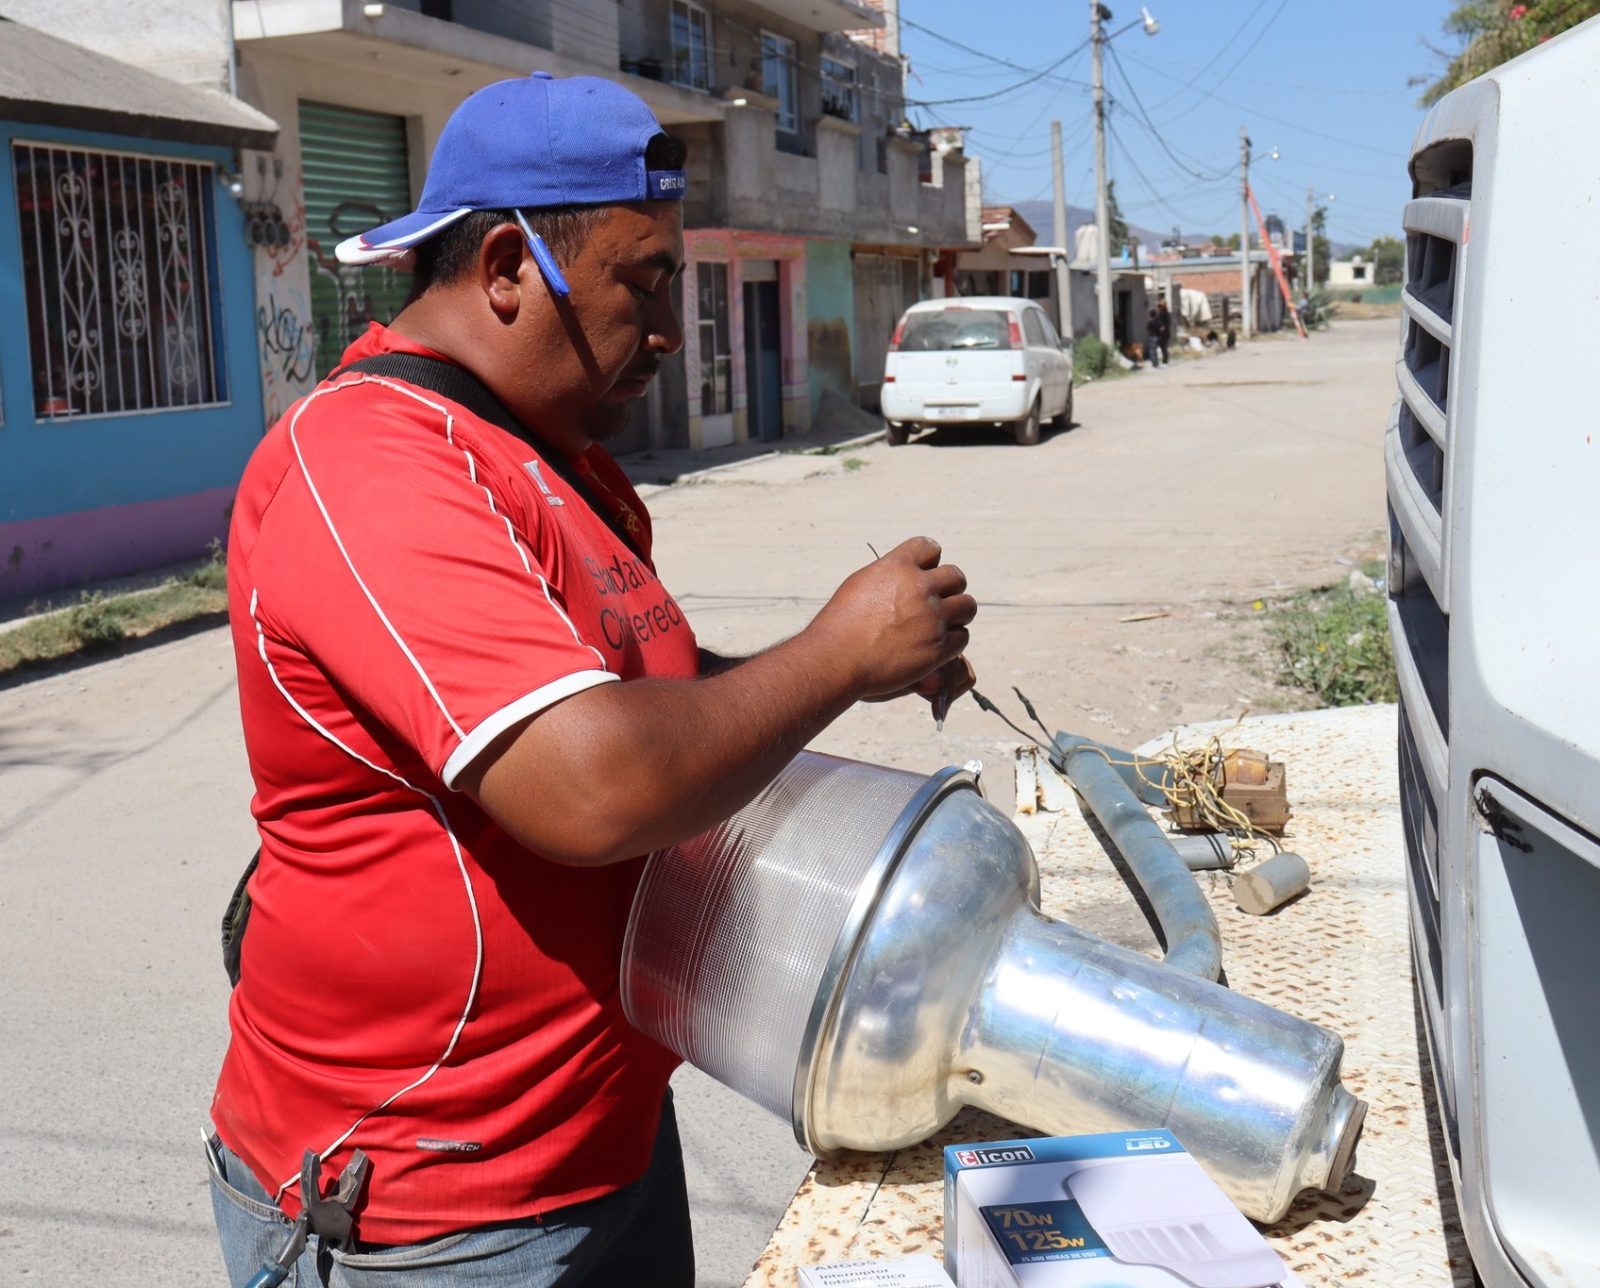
(744, 324)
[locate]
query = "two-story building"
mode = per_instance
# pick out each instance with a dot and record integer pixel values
(811, 221)
(129, 397)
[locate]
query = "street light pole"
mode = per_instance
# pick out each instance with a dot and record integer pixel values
(1102, 215)
(1063, 260)
(1244, 235)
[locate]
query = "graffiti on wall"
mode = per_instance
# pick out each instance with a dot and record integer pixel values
(288, 347)
(285, 333)
(345, 297)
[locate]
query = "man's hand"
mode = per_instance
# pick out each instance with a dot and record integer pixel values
(618, 770)
(899, 621)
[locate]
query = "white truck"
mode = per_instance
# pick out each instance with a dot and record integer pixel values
(1493, 468)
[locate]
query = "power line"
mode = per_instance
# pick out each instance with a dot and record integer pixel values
(1276, 84)
(1211, 62)
(1077, 132)
(1250, 48)
(978, 53)
(1154, 129)
(1164, 201)
(972, 73)
(998, 93)
(1278, 120)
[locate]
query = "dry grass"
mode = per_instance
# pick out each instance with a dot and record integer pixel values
(99, 622)
(1362, 311)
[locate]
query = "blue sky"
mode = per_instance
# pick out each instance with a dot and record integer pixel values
(1323, 83)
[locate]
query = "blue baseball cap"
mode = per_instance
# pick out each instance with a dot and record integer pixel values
(529, 143)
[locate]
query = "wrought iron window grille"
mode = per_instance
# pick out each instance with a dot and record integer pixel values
(121, 281)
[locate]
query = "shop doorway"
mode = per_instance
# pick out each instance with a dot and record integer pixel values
(763, 352)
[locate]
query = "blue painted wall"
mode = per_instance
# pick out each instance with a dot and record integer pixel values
(66, 466)
(830, 320)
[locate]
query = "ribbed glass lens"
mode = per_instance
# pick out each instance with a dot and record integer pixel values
(732, 930)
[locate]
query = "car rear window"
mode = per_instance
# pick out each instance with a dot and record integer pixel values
(956, 328)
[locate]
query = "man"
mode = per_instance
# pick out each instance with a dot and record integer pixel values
(1152, 339)
(436, 580)
(1164, 331)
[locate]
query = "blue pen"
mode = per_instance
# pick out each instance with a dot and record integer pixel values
(544, 259)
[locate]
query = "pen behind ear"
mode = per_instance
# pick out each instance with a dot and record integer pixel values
(548, 268)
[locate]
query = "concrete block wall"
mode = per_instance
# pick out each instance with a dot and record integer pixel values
(185, 40)
(837, 163)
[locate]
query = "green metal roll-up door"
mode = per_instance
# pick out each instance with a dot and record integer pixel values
(355, 172)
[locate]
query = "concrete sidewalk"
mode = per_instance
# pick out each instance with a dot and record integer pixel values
(650, 471)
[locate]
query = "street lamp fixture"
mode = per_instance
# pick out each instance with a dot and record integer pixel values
(1146, 19)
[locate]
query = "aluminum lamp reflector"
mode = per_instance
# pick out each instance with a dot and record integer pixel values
(861, 951)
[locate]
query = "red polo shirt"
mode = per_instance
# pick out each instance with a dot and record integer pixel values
(406, 582)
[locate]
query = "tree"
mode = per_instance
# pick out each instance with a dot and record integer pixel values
(1490, 32)
(1116, 225)
(1320, 243)
(1389, 260)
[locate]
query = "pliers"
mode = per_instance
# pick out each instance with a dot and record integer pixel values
(332, 1218)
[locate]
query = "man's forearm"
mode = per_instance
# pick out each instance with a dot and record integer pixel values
(619, 770)
(623, 769)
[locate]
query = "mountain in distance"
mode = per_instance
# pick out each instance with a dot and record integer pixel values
(1041, 215)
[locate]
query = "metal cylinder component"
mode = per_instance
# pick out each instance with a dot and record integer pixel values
(1204, 851)
(1271, 884)
(1188, 926)
(861, 951)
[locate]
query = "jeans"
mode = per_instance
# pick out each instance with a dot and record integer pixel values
(637, 1236)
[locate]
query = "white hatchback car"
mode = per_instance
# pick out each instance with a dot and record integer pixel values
(976, 360)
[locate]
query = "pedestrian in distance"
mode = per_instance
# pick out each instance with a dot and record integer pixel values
(1152, 339)
(470, 705)
(1164, 330)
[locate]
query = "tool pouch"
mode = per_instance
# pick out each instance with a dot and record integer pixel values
(234, 921)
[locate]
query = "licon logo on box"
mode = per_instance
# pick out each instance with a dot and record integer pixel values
(1139, 1143)
(987, 1157)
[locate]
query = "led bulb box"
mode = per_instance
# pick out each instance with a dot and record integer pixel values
(1118, 1210)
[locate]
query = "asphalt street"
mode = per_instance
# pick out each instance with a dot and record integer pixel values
(124, 794)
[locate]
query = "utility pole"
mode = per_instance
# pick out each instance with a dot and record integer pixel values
(1311, 246)
(1063, 260)
(1245, 309)
(1102, 215)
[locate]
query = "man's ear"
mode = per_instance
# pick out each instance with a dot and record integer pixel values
(500, 256)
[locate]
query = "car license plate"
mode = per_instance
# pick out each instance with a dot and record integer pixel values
(945, 411)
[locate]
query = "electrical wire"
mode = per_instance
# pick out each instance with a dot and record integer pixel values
(978, 53)
(1157, 63)
(1155, 130)
(999, 93)
(1211, 62)
(1143, 178)
(1250, 48)
(1191, 780)
(1068, 137)
(1291, 125)
(1024, 133)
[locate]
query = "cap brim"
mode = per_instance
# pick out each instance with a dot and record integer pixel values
(391, 243)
